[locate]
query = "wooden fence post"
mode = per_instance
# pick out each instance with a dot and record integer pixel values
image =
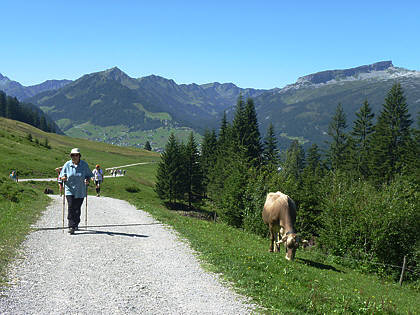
(402, 272)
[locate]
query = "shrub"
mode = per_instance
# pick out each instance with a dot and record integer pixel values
(363, 223)
(132, 189)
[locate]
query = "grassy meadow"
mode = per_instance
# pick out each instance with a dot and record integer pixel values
(312, 284)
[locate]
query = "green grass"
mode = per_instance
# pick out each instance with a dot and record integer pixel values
(19, 208)
(312, 284)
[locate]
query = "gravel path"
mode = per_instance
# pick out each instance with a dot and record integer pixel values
(125, 262)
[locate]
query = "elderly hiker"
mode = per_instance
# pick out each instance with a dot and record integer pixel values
(99, 178)
(76, 176)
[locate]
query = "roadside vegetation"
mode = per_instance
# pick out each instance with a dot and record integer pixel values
(357, 198)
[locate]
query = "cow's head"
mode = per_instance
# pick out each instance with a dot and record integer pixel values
(291, 241)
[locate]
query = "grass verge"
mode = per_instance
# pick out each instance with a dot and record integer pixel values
(20, 207)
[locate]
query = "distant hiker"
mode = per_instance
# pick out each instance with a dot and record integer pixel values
(76, 176)
(13, 176)
(59, 181)
(124, 172)
(99, 178)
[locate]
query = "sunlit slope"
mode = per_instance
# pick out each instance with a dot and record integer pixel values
(33, 159)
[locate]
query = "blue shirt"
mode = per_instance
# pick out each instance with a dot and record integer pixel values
(76, 175)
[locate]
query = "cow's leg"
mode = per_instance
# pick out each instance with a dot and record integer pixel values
(275, 230)
(272, 238)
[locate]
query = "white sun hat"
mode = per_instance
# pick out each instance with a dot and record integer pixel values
(75, 151)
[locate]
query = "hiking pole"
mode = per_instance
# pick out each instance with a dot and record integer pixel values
(87, 185)
(64, 206)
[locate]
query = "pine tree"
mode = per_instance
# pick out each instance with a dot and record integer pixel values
(270, 153)
(295, 160)
(147, 146)
(313, 158)
(169, 184)
(338, 147)
(239, 123)
(42, 123)
(2, 104)
(251, 139)
(391, 137)
(208, 154)
(193, 172)
(362, 130)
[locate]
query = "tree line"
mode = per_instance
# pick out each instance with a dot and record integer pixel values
(11, 108)
(358, 198)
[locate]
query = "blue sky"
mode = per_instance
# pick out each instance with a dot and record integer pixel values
(259, 44)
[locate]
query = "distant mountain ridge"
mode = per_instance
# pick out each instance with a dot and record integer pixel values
(21, 92)
(325, 76)
(303, 110)
(94, 105)
(111, 98)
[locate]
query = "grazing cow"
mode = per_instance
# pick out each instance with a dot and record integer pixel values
(279, 214)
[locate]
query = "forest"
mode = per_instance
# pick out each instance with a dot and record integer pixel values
(11, 108)
(357, 195)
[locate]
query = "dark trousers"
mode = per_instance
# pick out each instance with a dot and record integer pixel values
(74, 210)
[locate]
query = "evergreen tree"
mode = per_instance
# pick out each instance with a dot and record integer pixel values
(295, 160)
(313, 159)
(193, 172)
(270, 153)
(239, 123)
(2, 104)
(42, 123)
(169, 179)
(251, 139)
(362, 130)
(147, 146)
(338, 147)
(391, 138)
(208, 154)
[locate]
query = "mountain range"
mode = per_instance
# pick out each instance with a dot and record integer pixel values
(111, 106)
(21, 92)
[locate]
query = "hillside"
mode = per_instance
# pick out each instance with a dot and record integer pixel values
(101, 105)
(303, 110)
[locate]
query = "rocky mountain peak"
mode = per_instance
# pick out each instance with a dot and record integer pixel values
(325, 76)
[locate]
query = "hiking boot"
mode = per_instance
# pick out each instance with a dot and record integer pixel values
(71, 231)
(97, 195)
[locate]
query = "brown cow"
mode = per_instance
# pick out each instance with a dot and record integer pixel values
(279, 214)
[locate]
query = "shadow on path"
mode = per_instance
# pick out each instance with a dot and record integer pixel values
(84, 232)
(318, 265)
(93, 226)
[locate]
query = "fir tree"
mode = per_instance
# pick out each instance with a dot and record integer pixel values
(338, 146)
(239, 123)
(2, 104)
(295, 160)
(193, 173)
(147, 146)
(270, 153)
(362, 130)
(208, 154)
(313, 159)
(251, 138)
(169, 183)
(392, 136)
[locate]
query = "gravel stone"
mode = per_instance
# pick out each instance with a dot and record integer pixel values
(124, 262)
